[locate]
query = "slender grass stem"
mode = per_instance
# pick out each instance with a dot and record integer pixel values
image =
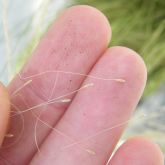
(8, 50)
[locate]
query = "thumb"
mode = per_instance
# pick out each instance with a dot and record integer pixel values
(4, 111)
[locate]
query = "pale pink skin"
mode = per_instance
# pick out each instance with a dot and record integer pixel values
(78, 42)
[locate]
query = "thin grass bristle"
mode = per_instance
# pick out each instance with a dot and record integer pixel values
(9, 135)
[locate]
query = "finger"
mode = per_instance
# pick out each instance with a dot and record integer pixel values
(4, 112)
(73, 45)
(95, 111)
(138, 151)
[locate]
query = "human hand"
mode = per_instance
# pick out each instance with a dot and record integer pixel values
(72, 100)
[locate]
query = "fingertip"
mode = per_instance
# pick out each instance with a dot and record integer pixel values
(91, 16)
(138, 150)
(149, 146)
(4, 97)
(132, 54)
(4, 111)
(134, 60)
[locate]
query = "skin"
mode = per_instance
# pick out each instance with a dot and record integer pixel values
(77, 42)
(4, 110)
